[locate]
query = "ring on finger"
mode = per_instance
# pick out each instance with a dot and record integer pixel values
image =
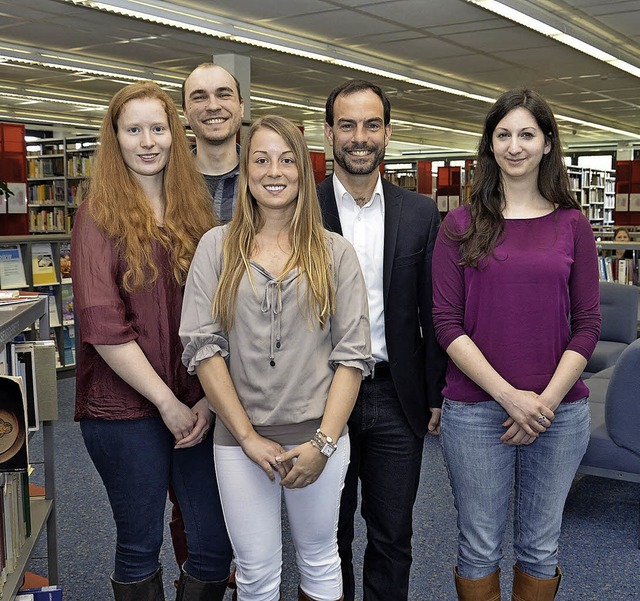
(542, 420)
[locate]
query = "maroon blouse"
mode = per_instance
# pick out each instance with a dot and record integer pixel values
(108, 314)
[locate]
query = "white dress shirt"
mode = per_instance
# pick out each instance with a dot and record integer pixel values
(364, 228)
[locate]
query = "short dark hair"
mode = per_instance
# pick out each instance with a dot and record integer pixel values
(235, 79)
(351, 87)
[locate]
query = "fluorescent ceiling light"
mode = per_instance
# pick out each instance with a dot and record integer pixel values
(521, 18)
(167, 14)
(31, 98)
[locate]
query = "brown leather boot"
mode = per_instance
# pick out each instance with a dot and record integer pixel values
(302, 596)
(529, 588)
(478, 589)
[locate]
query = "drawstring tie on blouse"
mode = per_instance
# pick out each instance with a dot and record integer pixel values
(272, 303)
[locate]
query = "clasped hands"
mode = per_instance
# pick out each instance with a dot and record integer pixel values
(189, 425)
(297, 468)
(529, 417)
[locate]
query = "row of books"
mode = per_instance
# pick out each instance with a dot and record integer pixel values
(46, 193)
(621, 271)
(48, 167)
(47, 220)
(79, 166)
(15, 520)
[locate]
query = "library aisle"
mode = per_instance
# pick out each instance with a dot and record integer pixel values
(598, 551)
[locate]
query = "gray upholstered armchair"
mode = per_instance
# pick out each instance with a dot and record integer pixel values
(614, 447)
(619, 308)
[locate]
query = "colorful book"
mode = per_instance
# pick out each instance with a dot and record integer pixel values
(44, 271)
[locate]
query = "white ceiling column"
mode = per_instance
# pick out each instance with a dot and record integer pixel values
(240, 67)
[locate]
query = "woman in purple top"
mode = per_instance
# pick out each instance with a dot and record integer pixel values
(144, 421)
(516, 307)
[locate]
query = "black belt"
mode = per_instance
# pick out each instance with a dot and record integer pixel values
(380, 370)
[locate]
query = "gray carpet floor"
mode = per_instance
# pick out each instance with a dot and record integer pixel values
(598, 549)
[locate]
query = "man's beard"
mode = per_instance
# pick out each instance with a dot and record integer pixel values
(355, 165)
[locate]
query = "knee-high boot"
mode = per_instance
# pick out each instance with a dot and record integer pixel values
(529, 588)
(302, 596)
(149, 589)
(192, 589)
(478, 589)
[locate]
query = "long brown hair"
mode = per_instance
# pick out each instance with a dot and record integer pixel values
(487, 193)
(120, 207)
(307, 236)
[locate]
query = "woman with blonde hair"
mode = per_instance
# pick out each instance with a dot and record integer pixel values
(144, 421)
(275, 324)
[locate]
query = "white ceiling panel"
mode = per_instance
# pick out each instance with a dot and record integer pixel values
(446, 42)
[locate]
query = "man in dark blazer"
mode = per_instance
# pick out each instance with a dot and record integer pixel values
(393, 231)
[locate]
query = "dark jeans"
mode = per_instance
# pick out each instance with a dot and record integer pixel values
(386, 456)
(136, 461)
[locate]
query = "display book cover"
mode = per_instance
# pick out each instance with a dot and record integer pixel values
(13, 426)
(45, 593)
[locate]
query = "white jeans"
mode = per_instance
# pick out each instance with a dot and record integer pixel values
(252, 511)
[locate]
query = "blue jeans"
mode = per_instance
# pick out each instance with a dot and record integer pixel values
(386, 456)
(482, 471)
(136, 461)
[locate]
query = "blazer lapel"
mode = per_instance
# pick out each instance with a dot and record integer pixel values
(329, 207)
(392, 211)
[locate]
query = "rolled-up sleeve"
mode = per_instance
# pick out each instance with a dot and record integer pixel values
(201, 335)
(448, 285)
(350, 328)
(99, 306)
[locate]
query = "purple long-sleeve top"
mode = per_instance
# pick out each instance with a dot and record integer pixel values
(536, 298)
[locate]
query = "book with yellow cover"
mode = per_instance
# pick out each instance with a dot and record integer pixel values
(43, 267)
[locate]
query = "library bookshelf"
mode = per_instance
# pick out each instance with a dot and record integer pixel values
(52, 279)
(56, 170)
(14, 319)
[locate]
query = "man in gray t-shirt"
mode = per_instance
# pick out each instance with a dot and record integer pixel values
(213, 107)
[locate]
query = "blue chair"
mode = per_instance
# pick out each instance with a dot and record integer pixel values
(614, 447)
(619, 308)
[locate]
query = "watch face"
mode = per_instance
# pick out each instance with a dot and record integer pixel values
(328, 450)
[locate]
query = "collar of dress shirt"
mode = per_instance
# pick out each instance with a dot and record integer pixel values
(345, 200)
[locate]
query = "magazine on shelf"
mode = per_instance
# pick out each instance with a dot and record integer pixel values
(11, 267)
(54, 316)
(67, 304)
(65, 262)
(43, 267)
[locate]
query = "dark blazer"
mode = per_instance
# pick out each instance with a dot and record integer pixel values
(416, 360)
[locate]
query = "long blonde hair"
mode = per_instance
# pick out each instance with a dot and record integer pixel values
(120, 207)
(307, 236)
